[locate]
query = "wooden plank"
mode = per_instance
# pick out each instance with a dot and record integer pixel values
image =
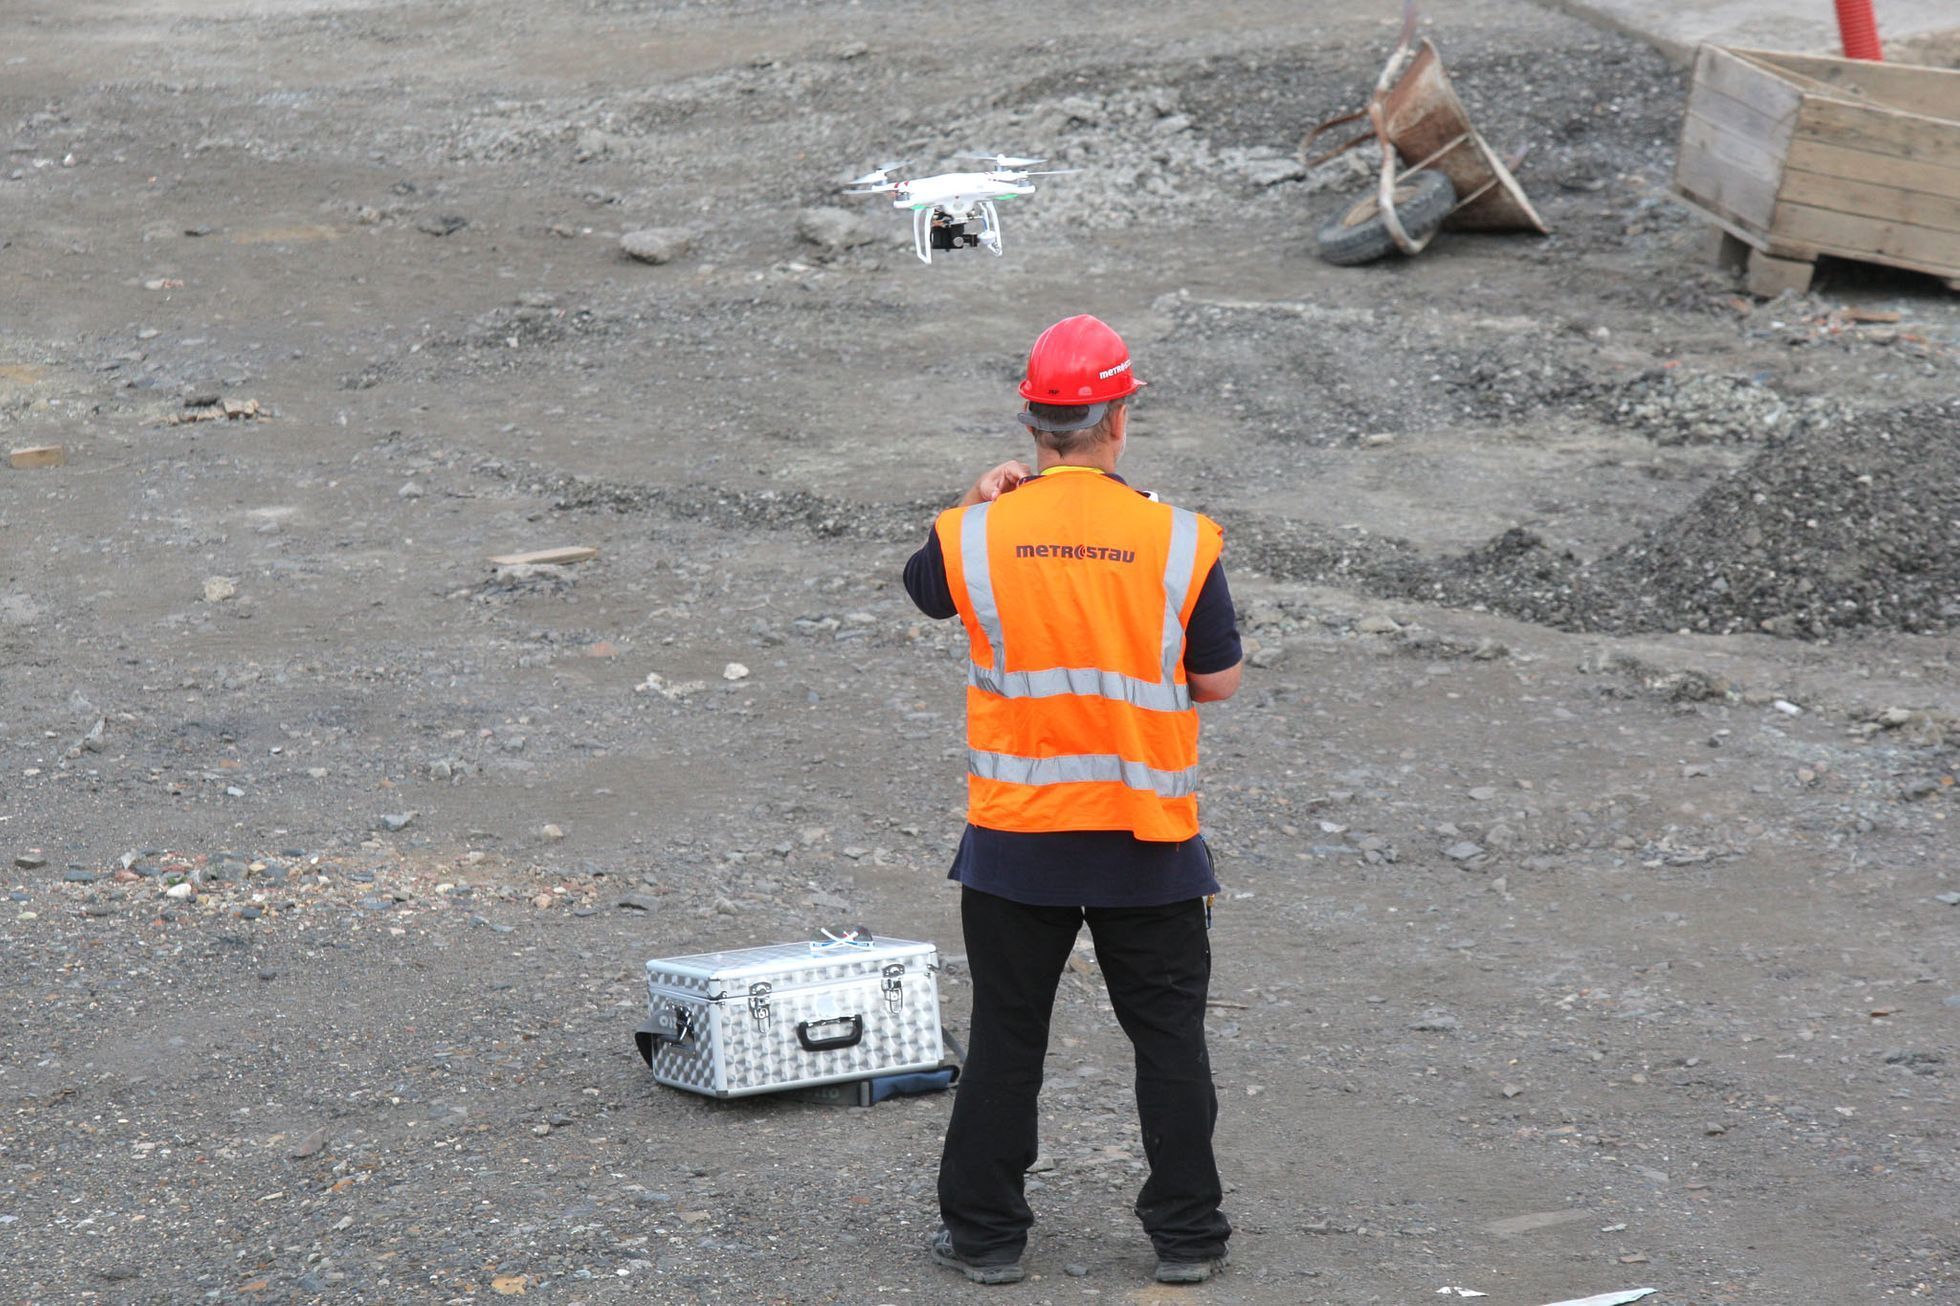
(1880, 131)
(1767, 131)
(1736, 76)
(1865, 200)
(38, 455)
(1924, 248)
(1720, 172)
(1881, 169)
(1748, 236)
(546, 557)
(1932, 92)
(1734, 151)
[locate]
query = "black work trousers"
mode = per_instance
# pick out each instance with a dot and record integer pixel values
(1157, 964)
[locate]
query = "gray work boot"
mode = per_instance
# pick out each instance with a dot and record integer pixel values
(1199, 1271)
(941, 1247)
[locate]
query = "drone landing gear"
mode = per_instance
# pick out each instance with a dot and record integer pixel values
(935, 229)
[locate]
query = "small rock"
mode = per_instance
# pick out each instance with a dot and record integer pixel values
(656, 244)
(1463, 850)
(1271, 172)
(1042, 1164)
(1948, 899)
(551, 832)
(307, 1146)
(31, 860)
(396, 822)
(1435, 1022)
(1076, 1271)
(834, 229)
(639, 902)
(443, 224)
(79, 877)
(1378, 625)
(1894, 717)
(180, 890)
(409, 490)
(735, 671)
(1786, 707)
(219, 588)
(1483, 793)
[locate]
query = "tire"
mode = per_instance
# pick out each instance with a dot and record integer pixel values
(1422, 201)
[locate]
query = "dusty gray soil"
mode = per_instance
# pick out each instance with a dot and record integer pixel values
(1586, 818)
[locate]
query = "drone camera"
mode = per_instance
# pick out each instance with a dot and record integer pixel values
(947, 234)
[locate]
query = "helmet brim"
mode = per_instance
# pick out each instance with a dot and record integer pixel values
(1090, 416)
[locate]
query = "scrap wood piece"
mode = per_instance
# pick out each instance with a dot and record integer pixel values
(546, 557)
(38, 455)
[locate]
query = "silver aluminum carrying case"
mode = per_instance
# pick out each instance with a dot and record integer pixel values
(757, 1020)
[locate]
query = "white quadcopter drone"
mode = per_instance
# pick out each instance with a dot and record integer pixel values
(955, 209)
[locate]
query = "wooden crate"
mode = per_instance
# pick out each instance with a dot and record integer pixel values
(1797, 155)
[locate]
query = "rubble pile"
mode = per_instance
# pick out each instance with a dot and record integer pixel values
(1844, 527)
(1839, 528)
(1675, 407)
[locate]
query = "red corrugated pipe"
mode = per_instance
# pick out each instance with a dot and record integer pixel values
(1859, 30)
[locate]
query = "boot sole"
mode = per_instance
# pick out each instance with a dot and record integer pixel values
(1189, 1273)
(987, 1274)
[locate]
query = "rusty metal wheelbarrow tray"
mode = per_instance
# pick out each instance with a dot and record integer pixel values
(1425, 121)
(1416, 116)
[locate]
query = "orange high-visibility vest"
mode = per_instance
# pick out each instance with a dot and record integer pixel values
(1075, 591)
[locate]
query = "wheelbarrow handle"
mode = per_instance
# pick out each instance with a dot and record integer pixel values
(1306, 142)
(1385, 191)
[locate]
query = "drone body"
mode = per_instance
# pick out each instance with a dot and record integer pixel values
(955, 209)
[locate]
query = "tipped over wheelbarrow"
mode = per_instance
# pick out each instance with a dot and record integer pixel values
(1436, 172)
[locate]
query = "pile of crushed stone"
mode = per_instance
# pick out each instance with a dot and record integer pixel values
(1675, 407)
(1849, 526)
(1852, 525)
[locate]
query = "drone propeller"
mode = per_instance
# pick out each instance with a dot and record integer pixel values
(877, 176)
(1052, 172)
(1004, 162)
(876, 190)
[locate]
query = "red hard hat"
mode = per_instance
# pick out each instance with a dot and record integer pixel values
(1078, 361)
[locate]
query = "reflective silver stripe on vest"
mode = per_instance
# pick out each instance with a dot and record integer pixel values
(1178, 565)
(1165, 695)
(1150, 694)
(1081, 768)
(979, 578)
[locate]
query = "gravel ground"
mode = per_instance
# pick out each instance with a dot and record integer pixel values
(1584, 821)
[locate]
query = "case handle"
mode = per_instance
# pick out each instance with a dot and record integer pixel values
(828, 1035)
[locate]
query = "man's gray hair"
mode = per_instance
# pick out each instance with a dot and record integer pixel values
(1067, 443)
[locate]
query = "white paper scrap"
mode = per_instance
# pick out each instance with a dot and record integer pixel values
(1608, 1298)
(1462, 1292)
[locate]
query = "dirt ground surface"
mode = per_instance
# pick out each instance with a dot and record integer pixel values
(1586, 820)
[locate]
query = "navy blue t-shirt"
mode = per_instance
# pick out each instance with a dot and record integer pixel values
(1088, 868)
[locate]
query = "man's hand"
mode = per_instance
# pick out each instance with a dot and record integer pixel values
(995, 482)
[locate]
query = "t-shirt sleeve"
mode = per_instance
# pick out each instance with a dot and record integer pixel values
(925, 581)
(1211, 639)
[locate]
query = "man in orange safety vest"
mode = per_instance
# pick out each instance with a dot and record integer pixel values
(1096, 619)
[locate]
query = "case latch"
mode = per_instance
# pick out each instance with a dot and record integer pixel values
(893, 985)
(759, 1000)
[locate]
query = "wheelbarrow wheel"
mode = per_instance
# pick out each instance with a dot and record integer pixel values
(1422, 201)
